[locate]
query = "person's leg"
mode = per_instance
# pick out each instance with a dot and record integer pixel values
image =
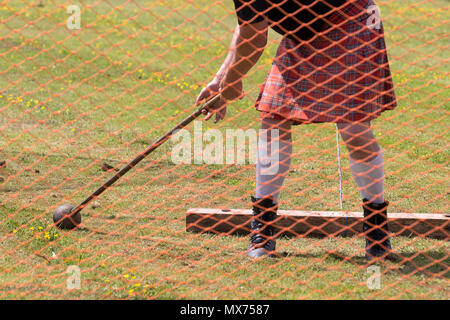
(274, 159)
(366, 160)
(367, 166)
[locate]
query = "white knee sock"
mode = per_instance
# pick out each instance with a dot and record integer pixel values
(274, 159)
(369, 176)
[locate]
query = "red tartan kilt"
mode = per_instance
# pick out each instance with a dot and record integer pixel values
(340, 76)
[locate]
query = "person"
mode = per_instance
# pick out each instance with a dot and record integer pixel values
(331, 66)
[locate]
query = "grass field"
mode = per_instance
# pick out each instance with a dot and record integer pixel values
(73, 99)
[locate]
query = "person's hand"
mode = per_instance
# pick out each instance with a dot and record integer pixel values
(209, 91)
(212, 89)
(227, 93)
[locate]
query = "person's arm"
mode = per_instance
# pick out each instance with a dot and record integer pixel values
(247, 46)
(250, 42)
(213, 87)
(230, 57)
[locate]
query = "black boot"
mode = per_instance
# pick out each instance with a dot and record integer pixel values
(262, 240)
(376, 229)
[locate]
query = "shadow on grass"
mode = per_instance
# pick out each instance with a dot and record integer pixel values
(428, 263)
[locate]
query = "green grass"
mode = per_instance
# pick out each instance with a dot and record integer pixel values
(70, 100)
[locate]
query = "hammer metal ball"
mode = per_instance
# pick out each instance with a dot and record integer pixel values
(63, 216)
(64, 219)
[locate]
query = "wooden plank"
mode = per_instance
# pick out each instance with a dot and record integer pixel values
(316, 223)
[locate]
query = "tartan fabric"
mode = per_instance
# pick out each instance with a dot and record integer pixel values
(342, 75)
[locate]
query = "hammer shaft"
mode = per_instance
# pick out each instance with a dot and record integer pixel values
(145, 153)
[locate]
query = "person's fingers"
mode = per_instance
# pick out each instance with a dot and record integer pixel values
(220, 116)
(208, 116)
(207, 92)
(221, 111)
(209, 113)
(213, 109)
(202, 96)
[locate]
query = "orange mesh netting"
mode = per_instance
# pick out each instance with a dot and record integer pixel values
(87, 86)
